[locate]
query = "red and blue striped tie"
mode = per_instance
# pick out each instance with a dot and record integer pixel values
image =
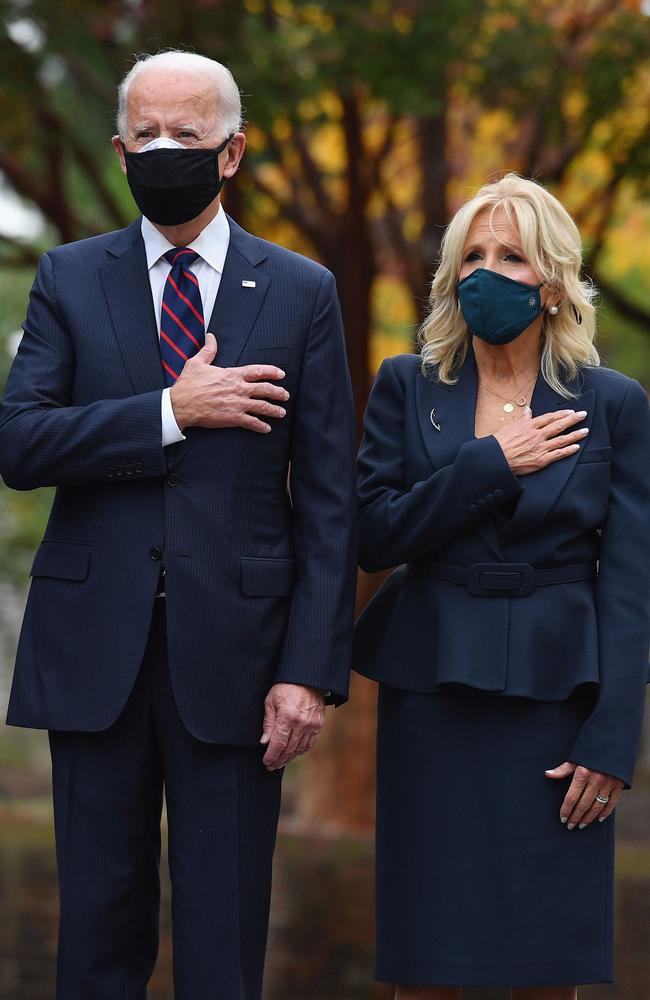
(182, 328)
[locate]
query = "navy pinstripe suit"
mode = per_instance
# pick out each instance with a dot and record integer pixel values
(259, 580)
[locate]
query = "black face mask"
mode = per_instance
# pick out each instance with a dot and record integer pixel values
(172, 186)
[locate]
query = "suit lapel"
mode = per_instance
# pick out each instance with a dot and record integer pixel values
(235, 310)
(542, 489)
(125, 280)
(453, 408)
(237, 305)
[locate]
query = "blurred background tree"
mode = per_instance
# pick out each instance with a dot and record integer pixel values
(368, 125)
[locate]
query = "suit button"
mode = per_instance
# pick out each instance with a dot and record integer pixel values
(139, 467)
(155, 552)
(172, 480)
(111, 472)
(481, 504)
(473, 509)
(490, 497)
(129, 470)
(119, 470)
(498, 494)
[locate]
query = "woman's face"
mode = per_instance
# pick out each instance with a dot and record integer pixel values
(496, 247)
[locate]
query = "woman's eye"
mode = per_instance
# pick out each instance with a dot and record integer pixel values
(514, 257)
(473, 255)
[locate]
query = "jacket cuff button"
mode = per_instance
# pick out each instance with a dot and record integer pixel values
(473, 509)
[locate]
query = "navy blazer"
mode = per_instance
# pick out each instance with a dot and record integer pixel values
(434, 498)
(260, 580)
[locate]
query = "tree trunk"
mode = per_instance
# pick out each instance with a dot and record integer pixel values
(337, 784)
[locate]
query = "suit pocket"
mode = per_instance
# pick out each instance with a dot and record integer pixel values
(264, 577)
(63, 560)
(283, 356)
(596, 455)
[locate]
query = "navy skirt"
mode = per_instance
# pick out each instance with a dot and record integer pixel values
(478, 882)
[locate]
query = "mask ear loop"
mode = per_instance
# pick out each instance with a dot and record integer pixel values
(225, 142)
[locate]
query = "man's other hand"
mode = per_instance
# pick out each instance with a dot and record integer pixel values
(208, 396)
(293, 717)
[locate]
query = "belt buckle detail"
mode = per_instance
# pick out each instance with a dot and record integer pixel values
(483, 579)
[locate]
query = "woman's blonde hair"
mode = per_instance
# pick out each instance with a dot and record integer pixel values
(551, 243)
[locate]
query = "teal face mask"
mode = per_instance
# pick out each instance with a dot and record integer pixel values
(495, 308)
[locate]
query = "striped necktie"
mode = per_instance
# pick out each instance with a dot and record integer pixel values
(182, 328)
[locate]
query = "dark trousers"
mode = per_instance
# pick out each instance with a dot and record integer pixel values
(222, 811)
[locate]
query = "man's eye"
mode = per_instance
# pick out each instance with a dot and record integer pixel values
(187, 135)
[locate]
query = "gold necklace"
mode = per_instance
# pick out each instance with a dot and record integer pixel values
(519, 398)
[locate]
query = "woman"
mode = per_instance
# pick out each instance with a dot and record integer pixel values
(508, 473)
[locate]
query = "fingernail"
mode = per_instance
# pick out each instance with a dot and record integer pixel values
(582, 413)
(570, 826)
(601, 819)
(281, 374)
(264, 738)
(582, 826)
(563, 819)
(549, 770)
(286, 394)
(584, 431)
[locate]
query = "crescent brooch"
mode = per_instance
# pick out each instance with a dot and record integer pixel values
(432, 418)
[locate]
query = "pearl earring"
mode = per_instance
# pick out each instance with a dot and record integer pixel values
(553, 310)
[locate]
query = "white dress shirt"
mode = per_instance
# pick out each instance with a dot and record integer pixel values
(212, 246)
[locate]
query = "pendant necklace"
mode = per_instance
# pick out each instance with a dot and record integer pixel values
(519, 398)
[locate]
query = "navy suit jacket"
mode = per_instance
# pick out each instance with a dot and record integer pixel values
(443, 496)
(260, 580)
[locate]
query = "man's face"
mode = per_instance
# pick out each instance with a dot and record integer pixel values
(180, 105)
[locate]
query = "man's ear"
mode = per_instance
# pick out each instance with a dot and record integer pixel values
(233, 154)
(117, 146)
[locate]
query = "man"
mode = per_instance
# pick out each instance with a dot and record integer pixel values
(186, 606)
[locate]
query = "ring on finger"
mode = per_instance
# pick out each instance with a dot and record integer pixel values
(603, 799)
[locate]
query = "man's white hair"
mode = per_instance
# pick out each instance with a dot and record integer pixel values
(229, 113)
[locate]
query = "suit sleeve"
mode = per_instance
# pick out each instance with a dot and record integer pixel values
(608, 741)
(398, 523)
(319, 633)
(44, 441)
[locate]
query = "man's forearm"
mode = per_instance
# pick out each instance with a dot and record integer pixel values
(114, 440)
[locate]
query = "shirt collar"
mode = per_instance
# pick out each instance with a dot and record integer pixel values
(211, 244)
